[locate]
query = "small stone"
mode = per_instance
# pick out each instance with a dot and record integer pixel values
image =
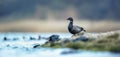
(67, 40)
(14, 39)
(69, 52)
(54, 38)
(39, 37)
(36, 46)
(32, 38)
(81, 38)
(5, 39)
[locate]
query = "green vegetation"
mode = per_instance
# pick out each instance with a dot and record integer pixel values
(109, 43)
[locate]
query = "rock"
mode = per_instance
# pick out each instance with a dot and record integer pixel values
(54, 38)
(5, 39)
(32, 38)
(66, 40)
(7, 45)
(39, 37)
(81, 38)
(69, 52)
(89, 41)
(14, 47)
(23, 37)
(37, 45)
(14, 39)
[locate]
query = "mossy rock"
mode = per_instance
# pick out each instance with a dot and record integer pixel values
(115, 35)
(108, 43)
(76, 45)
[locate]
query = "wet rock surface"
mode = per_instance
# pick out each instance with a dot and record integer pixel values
(5, 39)
(54, 38)
(69, 52)
(32, 38)
(81, 38)
(36, 46)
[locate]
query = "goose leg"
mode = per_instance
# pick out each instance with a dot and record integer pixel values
(74, 36)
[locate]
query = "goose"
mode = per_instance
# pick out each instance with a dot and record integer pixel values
(74, 29)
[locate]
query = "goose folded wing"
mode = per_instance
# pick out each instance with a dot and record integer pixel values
(77, 28)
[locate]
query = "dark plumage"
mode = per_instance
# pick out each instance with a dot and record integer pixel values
(73, 29)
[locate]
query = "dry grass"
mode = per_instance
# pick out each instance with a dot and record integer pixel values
(56, 26)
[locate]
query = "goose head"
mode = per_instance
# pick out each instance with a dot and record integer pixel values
(70, 19)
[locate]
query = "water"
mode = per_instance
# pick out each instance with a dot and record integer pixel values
(23, 47)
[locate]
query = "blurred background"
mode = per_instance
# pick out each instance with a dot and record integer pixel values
(51, 15)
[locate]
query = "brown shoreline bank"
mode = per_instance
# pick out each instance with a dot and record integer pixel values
(57, 26)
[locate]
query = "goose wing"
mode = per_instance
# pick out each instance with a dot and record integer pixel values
(77, 29)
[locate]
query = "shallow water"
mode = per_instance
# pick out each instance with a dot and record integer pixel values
(23, 47)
